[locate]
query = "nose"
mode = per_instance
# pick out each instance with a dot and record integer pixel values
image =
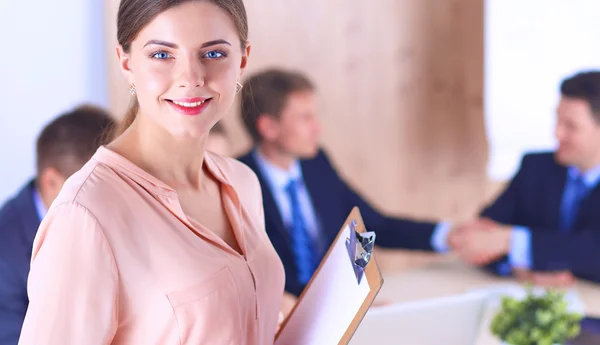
(191, 74)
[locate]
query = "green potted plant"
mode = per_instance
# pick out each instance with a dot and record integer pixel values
(537, 319)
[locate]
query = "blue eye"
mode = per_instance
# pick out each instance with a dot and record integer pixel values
(160, 55)
(213, 54)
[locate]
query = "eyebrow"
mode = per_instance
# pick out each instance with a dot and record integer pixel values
(161, 43)
(214, 43)
(174, 46)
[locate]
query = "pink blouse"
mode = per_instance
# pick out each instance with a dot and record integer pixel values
(116, 261)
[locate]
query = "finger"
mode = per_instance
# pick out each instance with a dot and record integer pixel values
(488, 258)
(485, 224)
(526, 279)
(552, 279)
(522, 274)
(482, 258)
(567, 279)
(457, 240)
(472, 226)
(467, 256)
(487, 221)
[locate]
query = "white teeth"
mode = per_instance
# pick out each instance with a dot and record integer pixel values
(189, 105)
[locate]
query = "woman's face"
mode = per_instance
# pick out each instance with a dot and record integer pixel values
(184, 65)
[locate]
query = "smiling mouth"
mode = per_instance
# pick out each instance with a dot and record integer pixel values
(192, 107)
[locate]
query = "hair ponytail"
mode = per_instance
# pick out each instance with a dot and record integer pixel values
(127, 120)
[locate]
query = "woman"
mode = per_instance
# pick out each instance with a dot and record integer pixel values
(155, 241)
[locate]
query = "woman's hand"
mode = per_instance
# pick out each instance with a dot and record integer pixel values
(287, 304)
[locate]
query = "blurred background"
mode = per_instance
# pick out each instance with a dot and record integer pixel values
(426, 105)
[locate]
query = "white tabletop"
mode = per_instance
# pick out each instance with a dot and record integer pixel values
(410, 277)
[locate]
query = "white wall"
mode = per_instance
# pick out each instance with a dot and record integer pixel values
(530, 47)
(52, 59)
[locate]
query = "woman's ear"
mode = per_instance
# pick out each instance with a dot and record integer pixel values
(125, 64)
(245, 56)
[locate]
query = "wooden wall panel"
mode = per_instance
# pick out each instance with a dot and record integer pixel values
(401, 93)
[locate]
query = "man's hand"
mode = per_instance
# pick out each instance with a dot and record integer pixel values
(481, 241)
(555, 279)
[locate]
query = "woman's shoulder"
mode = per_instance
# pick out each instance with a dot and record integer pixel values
(236, 172)
(95, 185)
(240, 176)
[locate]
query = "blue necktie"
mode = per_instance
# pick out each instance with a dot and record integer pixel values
(574, 193)
(302, 245)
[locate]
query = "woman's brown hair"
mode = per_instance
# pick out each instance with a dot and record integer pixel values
(134, 15)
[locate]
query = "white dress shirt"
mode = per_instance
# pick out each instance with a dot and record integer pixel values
(277, 180)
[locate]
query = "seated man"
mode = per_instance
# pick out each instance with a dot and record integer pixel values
(305, 200)
(545, 226)
(63, 146)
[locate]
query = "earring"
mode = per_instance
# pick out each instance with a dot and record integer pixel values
(238, 87)
(132, 90)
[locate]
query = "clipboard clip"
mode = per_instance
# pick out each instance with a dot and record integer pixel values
(360, 249)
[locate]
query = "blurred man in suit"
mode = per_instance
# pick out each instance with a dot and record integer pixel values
(304, 198)
(545, 227)
(63, 146)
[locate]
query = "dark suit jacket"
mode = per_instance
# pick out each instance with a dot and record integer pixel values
(333, 200)
(19, 222)
(533, 199)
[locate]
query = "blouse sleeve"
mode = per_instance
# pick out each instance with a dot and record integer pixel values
(73, 282)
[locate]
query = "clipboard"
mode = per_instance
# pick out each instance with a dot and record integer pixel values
(337, 297)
